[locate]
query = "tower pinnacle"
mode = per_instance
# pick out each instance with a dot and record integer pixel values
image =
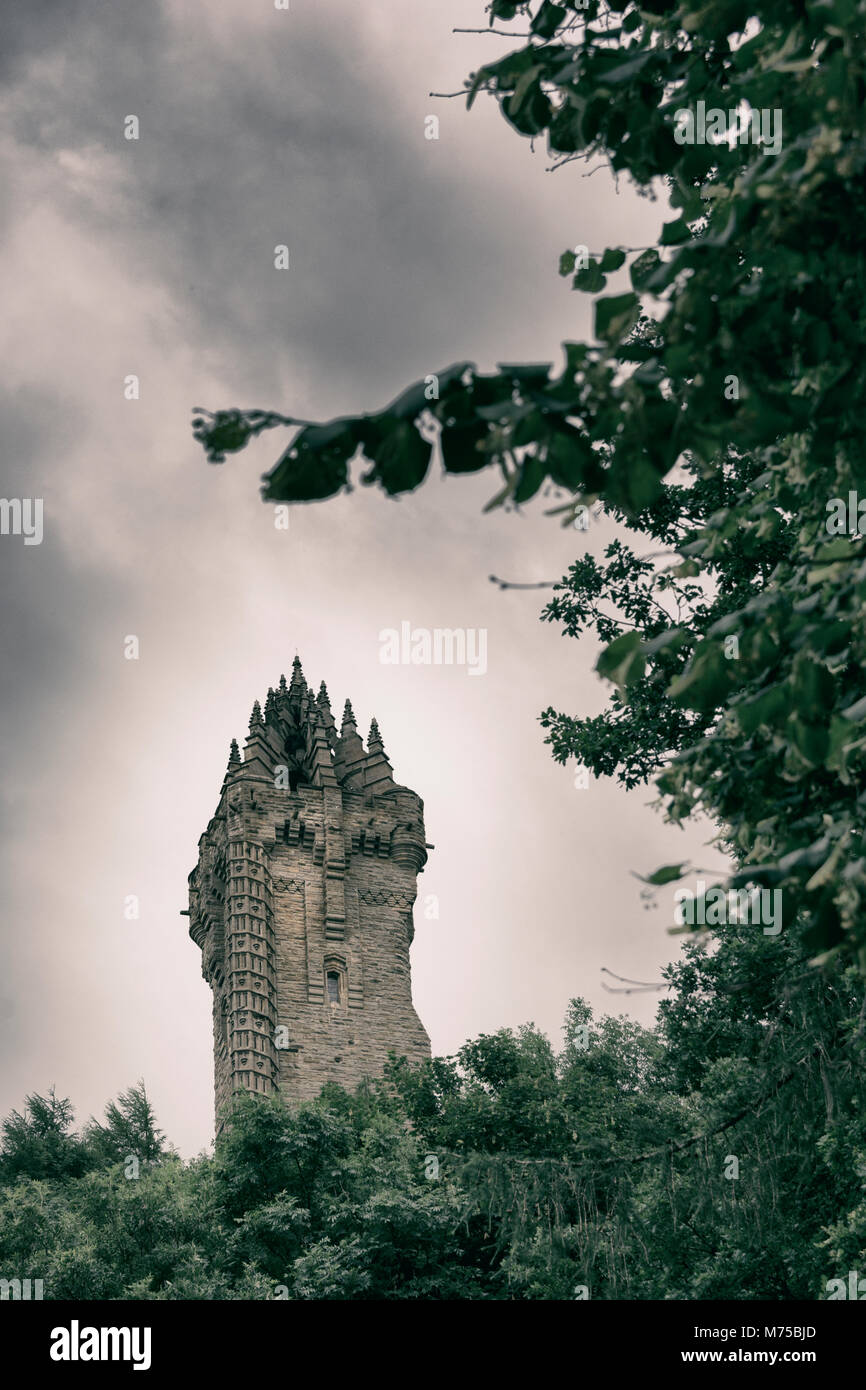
(298, 684)
(378, 773)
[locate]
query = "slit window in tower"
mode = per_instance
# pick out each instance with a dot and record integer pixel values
(333, 979)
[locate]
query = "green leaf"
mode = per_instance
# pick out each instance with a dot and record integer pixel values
(642, 267)
(548, 19)
(572, 462)
(770, 707)
(460, 449)
(706, 681)
(813, 687)
(522, 372)
(590, 278)
(622, 661)
(827, 871)
(615, 316)
(669, 873)
(622, 72)
(633, 484)
(314, 466)
(409, 404)
(400, 455)
(811, 740)
(839, 548)
(675, 232)
(672, 637)
(565, 132)
(528, 109)
(532, 474)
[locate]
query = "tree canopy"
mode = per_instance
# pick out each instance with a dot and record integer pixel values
(720, 1154)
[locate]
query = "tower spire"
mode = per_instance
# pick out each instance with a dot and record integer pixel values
(297, 685)
(234, 764)
(378, 772)
(324, 706)
(349, 755)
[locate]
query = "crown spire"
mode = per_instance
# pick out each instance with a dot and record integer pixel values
(297, 682)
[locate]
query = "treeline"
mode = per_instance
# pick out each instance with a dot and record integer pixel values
(720, 1155)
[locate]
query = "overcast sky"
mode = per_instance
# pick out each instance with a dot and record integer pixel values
(155, 257)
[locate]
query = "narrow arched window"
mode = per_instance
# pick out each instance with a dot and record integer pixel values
(333, 981)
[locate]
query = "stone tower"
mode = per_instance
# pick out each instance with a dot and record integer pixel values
(301, 903)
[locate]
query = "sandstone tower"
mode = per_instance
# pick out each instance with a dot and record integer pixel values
(301, 903)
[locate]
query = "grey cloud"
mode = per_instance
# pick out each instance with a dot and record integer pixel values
(295, 145)
(42, 27)
(155, 257)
